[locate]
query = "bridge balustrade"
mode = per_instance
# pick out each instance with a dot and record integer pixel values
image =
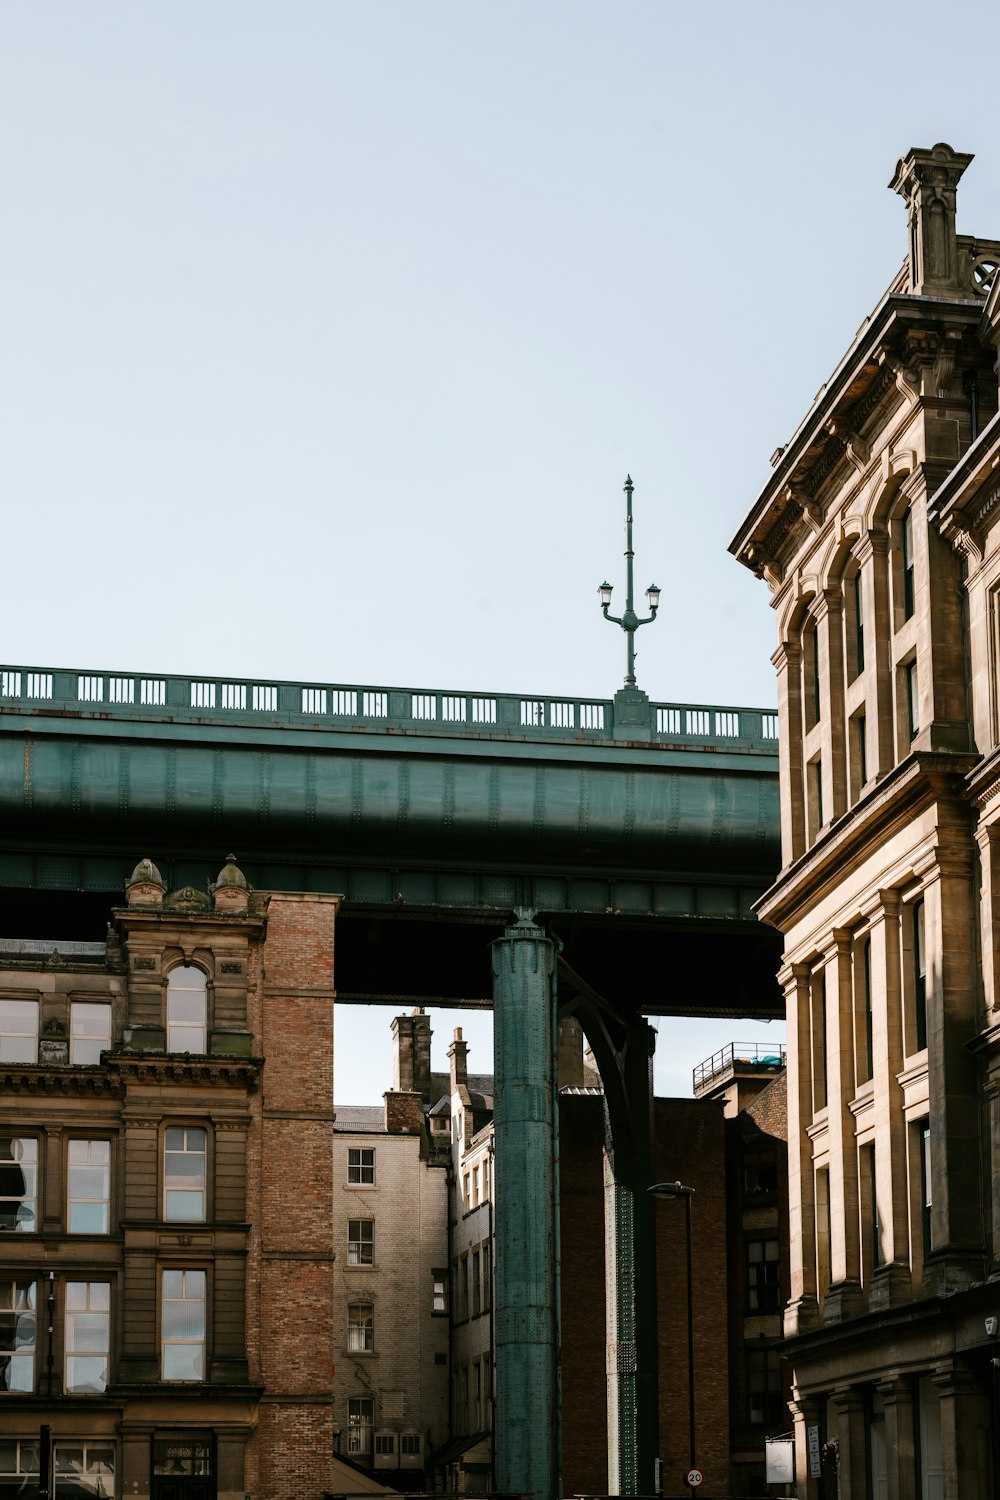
(325, 705)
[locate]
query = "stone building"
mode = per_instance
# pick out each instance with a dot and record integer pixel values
(166, 1197)
(390, 1301)
(875, 534)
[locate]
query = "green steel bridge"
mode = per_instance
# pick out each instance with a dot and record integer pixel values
(544, 855)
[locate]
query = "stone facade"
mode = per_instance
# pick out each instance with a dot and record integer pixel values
(874, 535)
(390, 1229)
(168, 1198)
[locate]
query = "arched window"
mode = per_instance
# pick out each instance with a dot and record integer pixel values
(187, 1010)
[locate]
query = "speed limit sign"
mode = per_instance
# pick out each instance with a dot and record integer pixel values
(693, 1478)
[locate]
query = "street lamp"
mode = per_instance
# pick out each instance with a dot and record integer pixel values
(629, 621)
(678, 1190)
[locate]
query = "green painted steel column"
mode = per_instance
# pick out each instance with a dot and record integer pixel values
(525, 1123)
(633, 1425)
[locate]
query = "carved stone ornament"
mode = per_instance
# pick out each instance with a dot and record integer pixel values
(231, 966)
(188, 899)
(143, 963)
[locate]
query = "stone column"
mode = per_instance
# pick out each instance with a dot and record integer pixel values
(805, 1414)
(891, 1280)
(802, 1311)
(988, 839)
(955, 1109)
(852, 1454)
(965, 1418)
(874, 548)
(843, 1298)
(788, 661)
(524, 1123)
(829, 612)
(900, 1447)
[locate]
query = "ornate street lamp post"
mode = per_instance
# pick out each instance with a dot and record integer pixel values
(629, 621)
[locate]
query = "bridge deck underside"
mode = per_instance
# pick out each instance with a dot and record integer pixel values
(644, 865)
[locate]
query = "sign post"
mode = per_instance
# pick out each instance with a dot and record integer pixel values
(694, 1479)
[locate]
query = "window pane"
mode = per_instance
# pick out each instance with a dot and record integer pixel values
(87, 1468)
(183, 1319)
(184, 1172)
(17, 1335)
(19, 1031)
(88, 1335)
(90, 1032)
(18, 1183)
(186, 1039)
(187, 1010)
(183, 1325)
(361, 1165)
(89, 1186)
(183, 1362)
(360, 1242)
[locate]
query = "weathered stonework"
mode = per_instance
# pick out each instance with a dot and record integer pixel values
(883, 565)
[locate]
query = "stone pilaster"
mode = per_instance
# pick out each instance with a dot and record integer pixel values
(852, 1455)
(805, 1414)
(872, 553)
(900, 1445)
(957, 1248)
(788, 661)
(802, 1311)
(965, 1413)
(891, 1280)
(829, 614)
(843, 1298)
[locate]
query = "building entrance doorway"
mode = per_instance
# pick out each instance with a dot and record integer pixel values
(183, 1466)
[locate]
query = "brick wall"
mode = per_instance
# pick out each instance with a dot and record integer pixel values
(690, 1147)
(290, 1197)
(769, 1111)
(581, 1175)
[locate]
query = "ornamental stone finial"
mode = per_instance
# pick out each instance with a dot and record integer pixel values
(927, 180)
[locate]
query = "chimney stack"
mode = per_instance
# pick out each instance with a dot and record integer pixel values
(458, 1054)
(927, 181)
(411, 1054)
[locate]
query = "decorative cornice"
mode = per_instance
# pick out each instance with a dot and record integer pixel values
(23, 1078)
(240, 1072)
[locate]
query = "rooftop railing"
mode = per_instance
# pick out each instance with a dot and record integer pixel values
(737, 1055)
(261, 702)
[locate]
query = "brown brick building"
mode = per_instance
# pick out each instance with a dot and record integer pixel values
(166, 1198)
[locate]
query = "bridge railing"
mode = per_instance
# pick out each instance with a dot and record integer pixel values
(162, 697)
(734, 1055)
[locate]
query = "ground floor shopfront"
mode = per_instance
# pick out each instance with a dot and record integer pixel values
(106, 1450)
(902, 1404)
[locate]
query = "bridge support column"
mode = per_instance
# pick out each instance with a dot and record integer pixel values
(525, 1122)
(624, 1052)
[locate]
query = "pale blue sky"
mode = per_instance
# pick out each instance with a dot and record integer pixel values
(329, 331)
